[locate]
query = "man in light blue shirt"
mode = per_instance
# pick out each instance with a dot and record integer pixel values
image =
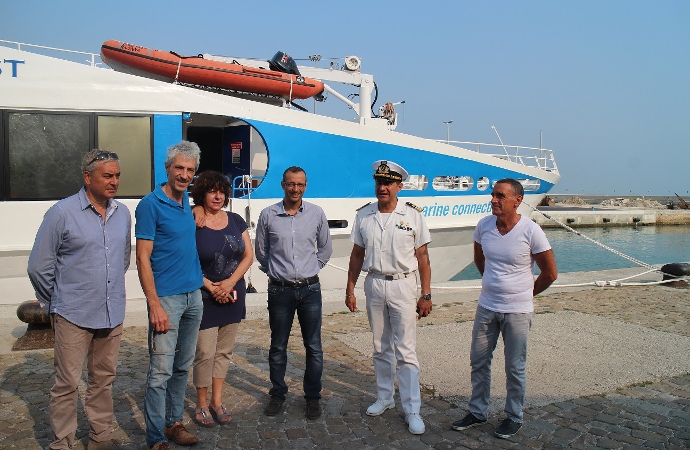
(293, 243)
(170, 275)
(77, 267)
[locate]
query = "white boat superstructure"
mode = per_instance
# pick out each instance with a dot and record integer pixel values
(54, 110)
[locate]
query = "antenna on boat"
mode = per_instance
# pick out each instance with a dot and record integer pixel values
(501, 141)
(315, 59)
(402, 102)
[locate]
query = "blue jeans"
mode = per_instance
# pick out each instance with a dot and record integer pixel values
(282, 304)
(171, 354)
(515, 328)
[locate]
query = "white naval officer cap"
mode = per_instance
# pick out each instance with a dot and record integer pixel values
(388, 170)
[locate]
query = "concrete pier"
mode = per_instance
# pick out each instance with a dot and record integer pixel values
(602, 217)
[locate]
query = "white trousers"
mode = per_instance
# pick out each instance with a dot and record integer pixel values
(392, 311)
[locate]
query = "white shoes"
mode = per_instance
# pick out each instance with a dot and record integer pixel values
(415, 424)
(380, 406)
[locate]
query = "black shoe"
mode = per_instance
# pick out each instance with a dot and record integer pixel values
(313, 409)
(467, 422)
(508, 428)
(274, 406)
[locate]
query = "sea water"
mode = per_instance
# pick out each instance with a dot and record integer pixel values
(657, 244)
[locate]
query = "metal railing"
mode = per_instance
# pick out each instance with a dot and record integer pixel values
(242, 184)
(540, 158)
(92, 56)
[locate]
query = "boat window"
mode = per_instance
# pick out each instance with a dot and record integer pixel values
(530, 185)
(453, 183)
(341, 223)
(130, 138)
(415, 183)
(45, 152)
(482, 183)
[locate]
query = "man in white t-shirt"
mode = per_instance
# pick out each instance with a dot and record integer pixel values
(506, 246)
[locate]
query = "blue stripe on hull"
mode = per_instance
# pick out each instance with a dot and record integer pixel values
(337, 166)
(340, 167)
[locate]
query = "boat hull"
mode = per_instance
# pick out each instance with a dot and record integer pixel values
(450, 251)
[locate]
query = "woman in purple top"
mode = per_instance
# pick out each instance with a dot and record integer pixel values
(225, 254)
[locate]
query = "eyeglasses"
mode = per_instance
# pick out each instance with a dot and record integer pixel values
(103, 155)
(295, 185)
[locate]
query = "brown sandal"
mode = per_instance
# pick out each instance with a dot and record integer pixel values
(221, 414)
(203, 417)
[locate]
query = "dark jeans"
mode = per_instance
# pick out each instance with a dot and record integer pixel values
(282, 304)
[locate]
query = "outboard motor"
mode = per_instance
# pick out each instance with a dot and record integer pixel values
(282, 62)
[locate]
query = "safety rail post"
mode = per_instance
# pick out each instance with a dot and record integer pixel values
(242, 186)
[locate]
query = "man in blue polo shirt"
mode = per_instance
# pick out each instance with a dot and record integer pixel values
(170, 276)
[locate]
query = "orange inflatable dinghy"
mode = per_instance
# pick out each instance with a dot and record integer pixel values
(169, 66)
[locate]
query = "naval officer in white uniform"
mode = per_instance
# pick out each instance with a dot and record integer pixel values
(390, 240)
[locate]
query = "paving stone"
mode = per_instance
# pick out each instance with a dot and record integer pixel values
(626, 439)
(648, 436)
(657, 445)
(566, 433)
(607, 418)
(608, 443)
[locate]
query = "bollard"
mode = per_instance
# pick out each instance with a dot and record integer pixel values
(39, 333)
(674, 270)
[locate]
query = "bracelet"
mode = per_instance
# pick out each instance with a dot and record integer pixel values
(349, 295)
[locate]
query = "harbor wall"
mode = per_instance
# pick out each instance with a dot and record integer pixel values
(599, 217)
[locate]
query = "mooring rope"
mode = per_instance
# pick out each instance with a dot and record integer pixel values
(604, 246)
(606, 283)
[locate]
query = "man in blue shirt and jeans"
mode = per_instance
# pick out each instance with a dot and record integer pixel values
(170, 276)
(77, 267)
(293, 243)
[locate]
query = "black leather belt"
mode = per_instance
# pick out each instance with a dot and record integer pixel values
(295, 284)
(395, 276)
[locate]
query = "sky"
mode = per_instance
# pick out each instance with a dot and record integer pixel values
(607, 83)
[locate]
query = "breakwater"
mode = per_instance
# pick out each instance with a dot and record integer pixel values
(603, 217)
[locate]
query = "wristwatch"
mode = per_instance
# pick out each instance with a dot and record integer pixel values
(426, 297)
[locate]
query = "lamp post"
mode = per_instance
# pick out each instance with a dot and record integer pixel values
(448, 122)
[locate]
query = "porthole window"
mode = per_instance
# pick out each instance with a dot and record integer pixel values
(530, 185)
(453, 183)
(482, 183)
(415, 183)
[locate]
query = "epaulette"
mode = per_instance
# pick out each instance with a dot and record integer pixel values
(412, 205)
(363, 206)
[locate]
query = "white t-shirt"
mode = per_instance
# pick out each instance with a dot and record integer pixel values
(508, 280)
